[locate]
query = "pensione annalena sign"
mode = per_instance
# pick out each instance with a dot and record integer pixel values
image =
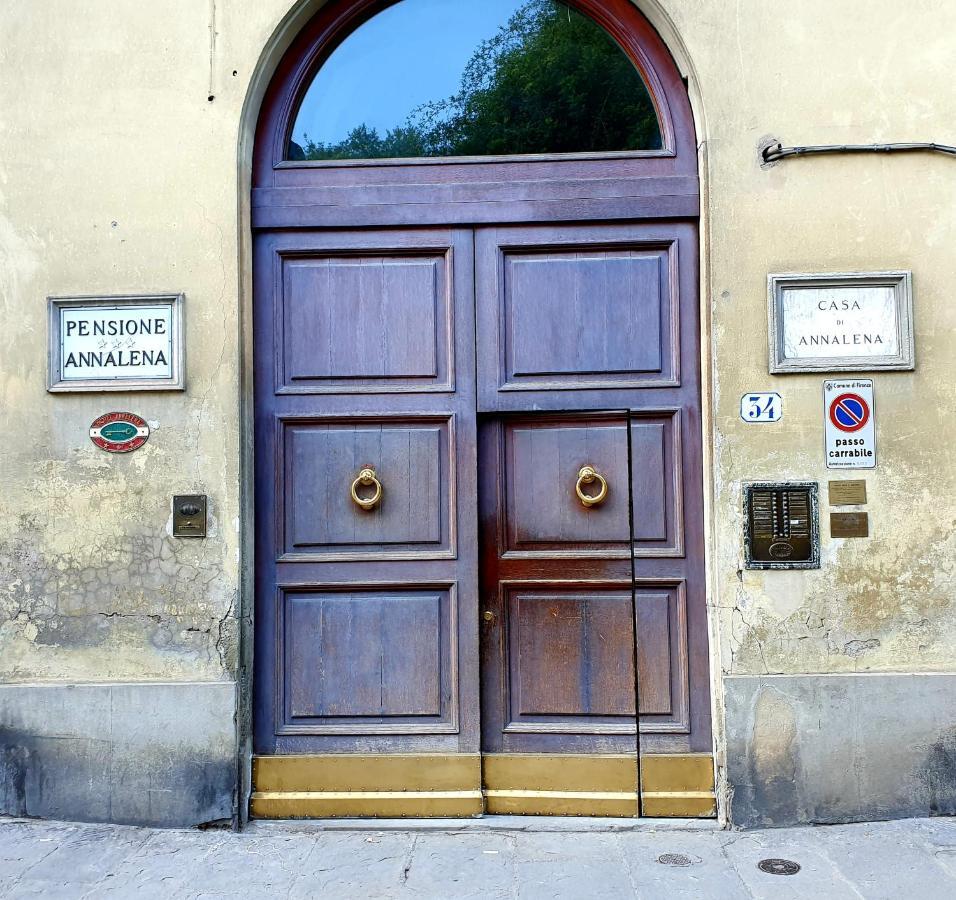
(123, 343)
(840, 322)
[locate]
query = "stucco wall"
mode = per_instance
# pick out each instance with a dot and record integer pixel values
(116, 175)
(825, 73)
(119, 128)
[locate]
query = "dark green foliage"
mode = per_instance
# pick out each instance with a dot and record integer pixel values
(550, 81)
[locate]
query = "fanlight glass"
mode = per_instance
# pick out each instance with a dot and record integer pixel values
(429, 78)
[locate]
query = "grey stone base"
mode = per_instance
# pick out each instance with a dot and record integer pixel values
(159, 754)
(840, 748)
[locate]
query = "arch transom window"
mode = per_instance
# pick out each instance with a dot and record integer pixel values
(453, 78)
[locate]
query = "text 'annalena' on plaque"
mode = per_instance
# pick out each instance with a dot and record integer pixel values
(123, 343)
(840, 322)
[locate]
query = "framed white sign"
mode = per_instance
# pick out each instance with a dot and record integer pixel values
(128, 343)
(852, 322)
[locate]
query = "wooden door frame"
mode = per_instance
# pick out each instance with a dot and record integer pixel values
(288, 35)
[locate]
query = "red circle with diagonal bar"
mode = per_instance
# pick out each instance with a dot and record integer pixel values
(849, 412)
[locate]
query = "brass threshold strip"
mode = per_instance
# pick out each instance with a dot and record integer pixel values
(571, 795)
(365, 795)
(709, 795)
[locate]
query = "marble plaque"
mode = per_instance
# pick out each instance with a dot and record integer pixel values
(840, 323)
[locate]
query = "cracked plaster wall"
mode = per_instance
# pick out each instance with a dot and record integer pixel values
(118, 174)
(824, 73)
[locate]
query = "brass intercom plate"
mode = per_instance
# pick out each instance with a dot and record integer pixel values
(189, 515)
(782, 525)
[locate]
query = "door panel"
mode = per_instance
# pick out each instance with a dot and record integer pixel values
(367, 661)
(342, 321)
(366, 617)
(657, 485)
(543, 461)
(588, 309)
(414, 462)
(662, 676)
(581, 314)
(571, 659)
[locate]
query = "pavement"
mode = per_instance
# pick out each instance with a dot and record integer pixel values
(495, 857)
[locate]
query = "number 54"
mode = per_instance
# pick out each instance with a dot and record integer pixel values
(762, 407)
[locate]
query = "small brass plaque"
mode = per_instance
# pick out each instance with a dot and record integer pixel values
(847, 493)
(849, 524)
(189, 515)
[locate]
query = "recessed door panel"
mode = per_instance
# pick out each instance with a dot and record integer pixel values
(581, 315)
(571, 659)
(343, 322)
(592, 310)
(366, 660)
(657, 484)
(413, 462)
(662, 676)
(544, 459)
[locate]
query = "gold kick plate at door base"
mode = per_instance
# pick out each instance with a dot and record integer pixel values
(343, 785)
(678, 785)
(449, 785)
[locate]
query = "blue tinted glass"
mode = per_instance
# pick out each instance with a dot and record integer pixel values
(474, 78)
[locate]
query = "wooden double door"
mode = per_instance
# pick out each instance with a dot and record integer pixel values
(479, 568)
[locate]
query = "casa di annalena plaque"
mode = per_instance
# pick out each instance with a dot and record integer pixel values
(123, 343)
(841, 322)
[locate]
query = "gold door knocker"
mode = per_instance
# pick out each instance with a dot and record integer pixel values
(588, 475)
(366, 478)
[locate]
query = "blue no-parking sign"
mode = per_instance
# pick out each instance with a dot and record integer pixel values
(849, 424)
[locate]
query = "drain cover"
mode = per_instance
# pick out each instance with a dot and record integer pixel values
(675, 859)
(778, 866)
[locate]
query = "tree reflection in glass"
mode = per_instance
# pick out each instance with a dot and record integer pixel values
(547, 80)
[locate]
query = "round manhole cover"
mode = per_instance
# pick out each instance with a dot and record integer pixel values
(675, 859)
(778, 866)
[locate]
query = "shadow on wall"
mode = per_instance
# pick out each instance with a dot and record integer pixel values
(840, 748)
(118, 753)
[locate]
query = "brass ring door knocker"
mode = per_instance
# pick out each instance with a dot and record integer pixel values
(588, 475)
(366, 478)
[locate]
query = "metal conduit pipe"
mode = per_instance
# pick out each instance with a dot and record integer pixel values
(778, 151)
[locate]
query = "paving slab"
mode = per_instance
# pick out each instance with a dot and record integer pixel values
(479, 869)
(164, 866)
(706, 872)
(866, 854)
(357, 865)
(22, 848)
(819, 876)
(555, 865)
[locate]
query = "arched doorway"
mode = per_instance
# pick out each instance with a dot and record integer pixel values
(479, 503)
